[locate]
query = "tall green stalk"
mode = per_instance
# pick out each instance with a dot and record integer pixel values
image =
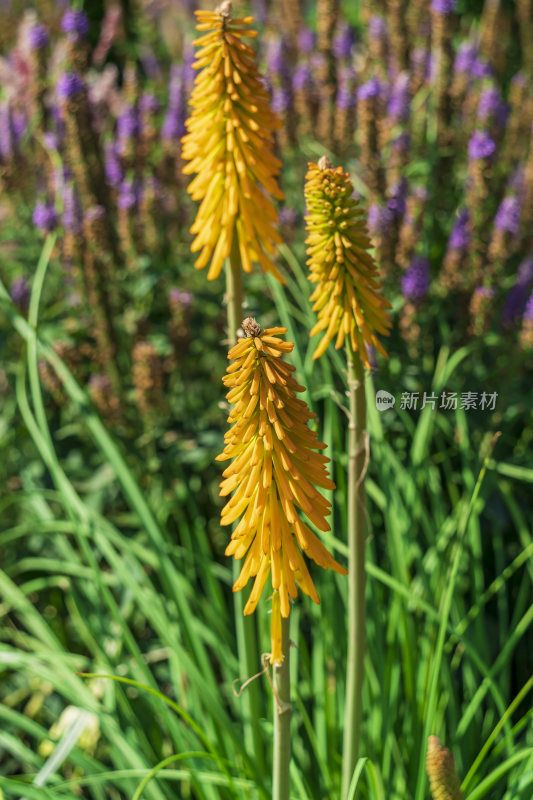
(356, 565)
(247, 649)
(282, 719)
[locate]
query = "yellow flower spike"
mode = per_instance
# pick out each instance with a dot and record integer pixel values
(229, 147)
(274, 471)
(348, 295)
(444, 782)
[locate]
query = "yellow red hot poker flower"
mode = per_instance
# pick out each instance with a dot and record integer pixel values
(229, 146)
(348, 295)
(276, 465)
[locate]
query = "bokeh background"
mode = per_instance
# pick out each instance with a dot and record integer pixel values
(110, 544)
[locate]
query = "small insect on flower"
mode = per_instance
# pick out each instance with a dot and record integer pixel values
(275, 468)
(229, 145)
(348, 295)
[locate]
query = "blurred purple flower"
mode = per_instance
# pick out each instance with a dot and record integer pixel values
(288, 216)
(281, 99)
(71, 217)
(460, 235)
(346, 96)
(6, 131)
(372, 88)
(174, 123)
(480, 69)
(128, 126)
(38, 37)
(465, 57)
(480, 145)
(379, 219)
(515, 302)
(177, 297)
(301, 78)
(343, 41)
(400, 99)
(396, 202)
(69, 85)
(75, 24)
(20, 293)
(402, 143)
(377, 27)
(508, 215)
(50, 140)
(415, 281)
(275, 56)
(128, 194)
(44, 217)
(306, 40)
(443, 6)
(491, 105)
(113, 168)
(148, 103)
(528, 313)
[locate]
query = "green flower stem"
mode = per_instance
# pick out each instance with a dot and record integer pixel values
(282, 719)
(356, 566)
(247, 649)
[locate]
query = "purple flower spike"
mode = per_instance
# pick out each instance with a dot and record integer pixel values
(343, 41)
(301, 78)
(71, 217)
(377, 27)
(528, 313)
(460, 235)
(275, 56)
(44, 217)
(371, 88)
(306, 41)
(281, 99)
(402, 143)
(415, 282)
(6, 132)
(20, 293)
(149, 104)
(37, 37)
(515, 302)
(128, 194)
(69, 85)
(75, 24)
(465, 57)
(113, 170)
(399, 102)
(480, 146)
(480, 69)
(379, 218)
(398, 199)
(443, 6)
(508, 215)
(346, 97)
(491, 105)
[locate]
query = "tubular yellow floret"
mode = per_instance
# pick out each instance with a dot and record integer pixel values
(229, 147)
(347, 296)
(274, 470)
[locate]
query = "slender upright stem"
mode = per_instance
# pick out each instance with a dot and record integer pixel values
(282, 719)
(247, 649)
(356, 565)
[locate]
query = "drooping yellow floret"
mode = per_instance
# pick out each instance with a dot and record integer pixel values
(229, 145)
(276, 465)
(348, 295)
